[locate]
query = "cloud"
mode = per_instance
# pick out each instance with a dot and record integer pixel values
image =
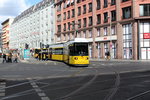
(11, 8)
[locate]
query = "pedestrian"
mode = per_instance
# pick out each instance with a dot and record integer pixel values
(15, 56)
(107, 54)
(4, 57)
(10, 57)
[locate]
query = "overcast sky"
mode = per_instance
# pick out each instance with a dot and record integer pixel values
(12, 8)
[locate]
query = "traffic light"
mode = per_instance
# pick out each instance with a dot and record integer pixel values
(26, 46)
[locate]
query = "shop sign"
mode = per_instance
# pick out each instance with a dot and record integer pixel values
(146, 35)
(105, 38)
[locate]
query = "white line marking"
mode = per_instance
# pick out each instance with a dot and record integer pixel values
(2, 89)
(38, 90)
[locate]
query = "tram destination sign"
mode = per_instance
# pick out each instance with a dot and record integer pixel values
(146, 35)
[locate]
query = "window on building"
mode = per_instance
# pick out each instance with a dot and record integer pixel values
(98, 32)
(98, 4)
(98, 19)
(78, 1)
(113, 2)
(68, 14)
(113, 15)
(90, 7)
(58, 38)
(64, 15)
(90, 21)
(90, 33)
(59, 28)
(59, 7)
(84, 9)
(79, 23)
(105, 31)
(79, 11)
(84, 34)
(65, 27)
(73, 25)
(84, 22)
(78, 34)
(59, 18)
(73, 13)
(105, 17)
(113, 30)
(126, 12)
(145, 10)
(124, 0)
(105, 3)
(69, 26)
(65, 5)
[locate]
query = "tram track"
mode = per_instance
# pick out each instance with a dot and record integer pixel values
(113, 90)
(80, 88)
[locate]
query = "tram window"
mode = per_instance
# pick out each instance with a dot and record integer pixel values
(71, 50)
(58, 51)
(81, 49)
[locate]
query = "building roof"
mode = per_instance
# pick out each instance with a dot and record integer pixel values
(33, 9)
(7, 20)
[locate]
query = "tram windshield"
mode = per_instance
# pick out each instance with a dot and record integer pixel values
(81, 49)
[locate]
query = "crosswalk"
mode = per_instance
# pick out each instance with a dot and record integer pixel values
(2, 88)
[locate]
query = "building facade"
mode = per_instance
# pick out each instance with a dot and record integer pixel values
(35, 27)
(1, 40)
(5, 33)
(119, 26)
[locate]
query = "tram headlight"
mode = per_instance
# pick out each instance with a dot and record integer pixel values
(75, 58)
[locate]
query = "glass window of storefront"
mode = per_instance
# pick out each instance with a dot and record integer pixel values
(127, 41)
(113, 50)
(99, 49)
(144, 38)
(105, 47)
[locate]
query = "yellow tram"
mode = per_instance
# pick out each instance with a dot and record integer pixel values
(76, 52)
(56, 52)
(73, 52)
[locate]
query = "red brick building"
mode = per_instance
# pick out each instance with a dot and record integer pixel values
(119, 26)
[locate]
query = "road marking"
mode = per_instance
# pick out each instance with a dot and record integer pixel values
(2, 89)
(38, 90)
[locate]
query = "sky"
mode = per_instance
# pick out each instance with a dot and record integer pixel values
(12, 8)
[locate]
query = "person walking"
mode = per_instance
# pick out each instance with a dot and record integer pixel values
(15, 56)
(10, 57)
(4, 58)
(107, 54)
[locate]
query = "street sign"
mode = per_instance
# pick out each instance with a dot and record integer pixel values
(26, 53)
